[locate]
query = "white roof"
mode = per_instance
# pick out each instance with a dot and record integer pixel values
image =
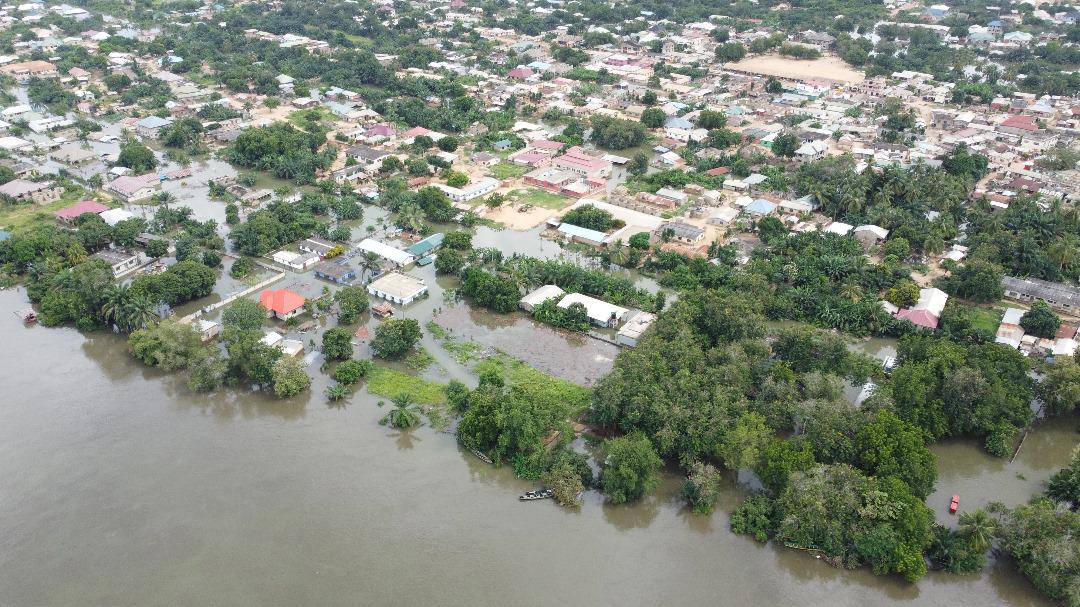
(839, 227)
(271, 338)
(877, 231)
(598, 310)
(385, 251)
(932, 300)
(115, 216)
(401, 286)
(1012, 316)
(543, 294)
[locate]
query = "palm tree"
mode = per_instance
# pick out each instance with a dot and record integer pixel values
(411, 217)
(114, 304)
(369, 261)
(618, 253)
(164, 198)
(336, 392)
(139, 311)
(406, 413)
(979, 527)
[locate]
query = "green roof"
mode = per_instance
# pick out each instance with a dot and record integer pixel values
(426, 245)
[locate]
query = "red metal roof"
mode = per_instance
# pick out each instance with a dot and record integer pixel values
(83, 206)
(281, 301)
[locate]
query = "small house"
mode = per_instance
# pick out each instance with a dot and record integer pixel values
(398, 288)
(282, 304)
(338, 273)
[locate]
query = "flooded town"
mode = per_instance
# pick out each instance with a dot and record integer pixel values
(504, 301)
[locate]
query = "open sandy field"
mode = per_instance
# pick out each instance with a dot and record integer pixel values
(826, 68)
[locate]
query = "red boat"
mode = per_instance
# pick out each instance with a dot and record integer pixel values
(954, 504)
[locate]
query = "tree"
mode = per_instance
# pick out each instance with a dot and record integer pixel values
(351, 371)
(289, 377)
(136, 157)
(352, 302)
(449, 261)
(243, 315)
(616, 134)
(653, 117)
(126, 308)
(1060, 386)
(979, 528)
(241, 268)
(784, 145)
(711, 119)
(888, 446)
(448, 143)
(640, 241)
(702, 488)
(1064, 486)
(744, 445)
(591, 217)
(1040, 320)
(773, 86)
(565, 482)
(405, 413)
(1042, 540)
(395, 337)
(337, 344)
(157, 248)
(459, 240)
(903, 294)
(630, 469)
(207, 372)
(456, 179)
(639, 164)
(730, 52)
(168, 345)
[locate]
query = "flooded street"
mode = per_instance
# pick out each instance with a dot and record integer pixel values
(121, 488)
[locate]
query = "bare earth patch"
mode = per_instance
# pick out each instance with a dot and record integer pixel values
(826, 68)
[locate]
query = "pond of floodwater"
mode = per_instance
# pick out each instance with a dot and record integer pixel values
(566, 355)
(120, 487)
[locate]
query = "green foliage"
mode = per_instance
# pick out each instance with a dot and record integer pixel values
(352, 302)
(949, 389)
(168, 345)
(730, 52)
(490, 290)
(855, 520)
(136, 157)
(1064, 486)
(285, 151)
(1040, 320)
(754, 517)
(888, 446)
(388, 382)
(640, 241)
(616, 134)
(241, 268)
(702, 488)
(574, 317)
(1042, 541)
(653, 117)
(591, 217)
(405, 414)
(1060, 386)
(395, 337)
(243, 315)
(351, 371)
(337, 344)
(449, 261)
(630, 469)
(952, 552)
(565, 481)
(289, 377)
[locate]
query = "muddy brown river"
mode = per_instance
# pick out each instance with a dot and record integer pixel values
(118, 487)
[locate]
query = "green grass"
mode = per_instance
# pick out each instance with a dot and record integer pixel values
(508, 170)
(462, 351)
(987, 319)
(388, 382)
(542, 198)
(419, 360)
(537, 385)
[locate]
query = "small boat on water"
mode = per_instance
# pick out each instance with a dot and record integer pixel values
(539, 494)
(482, 456)
(954, 504)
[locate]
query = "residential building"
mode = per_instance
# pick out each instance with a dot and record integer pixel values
(21, 190)
(601, 313)
(398, 288)
(636, 324)
(470, 191)
(282, 304)
(69, 214)
(1061, 297)
(339, 273)
(539, 296)
(385, 251)
(132, 188)
(927, 311)
(121, 261)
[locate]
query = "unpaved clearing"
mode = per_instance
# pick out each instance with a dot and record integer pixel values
(826, 68)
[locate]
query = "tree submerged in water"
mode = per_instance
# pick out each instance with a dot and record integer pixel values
(405, 414)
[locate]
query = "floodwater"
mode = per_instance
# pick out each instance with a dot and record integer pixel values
(563, 354)
(122, 488)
